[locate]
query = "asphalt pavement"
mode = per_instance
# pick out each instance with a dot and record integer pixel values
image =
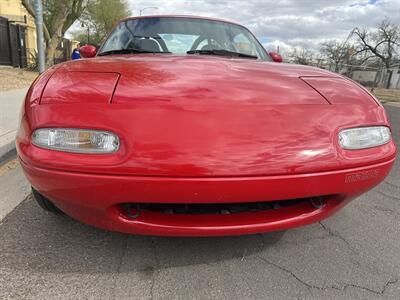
(353, 255)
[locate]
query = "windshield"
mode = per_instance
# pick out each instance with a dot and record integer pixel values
(179, 35)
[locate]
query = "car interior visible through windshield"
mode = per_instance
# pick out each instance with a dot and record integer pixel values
(180, 35)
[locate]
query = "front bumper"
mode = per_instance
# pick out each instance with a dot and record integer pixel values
(96, 199)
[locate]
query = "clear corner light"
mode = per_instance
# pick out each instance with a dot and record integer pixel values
(76, 140)
(364, 137)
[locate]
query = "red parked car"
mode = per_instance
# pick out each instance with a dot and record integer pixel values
(186, 126)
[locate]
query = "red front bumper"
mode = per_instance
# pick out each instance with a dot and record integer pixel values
(95, 199)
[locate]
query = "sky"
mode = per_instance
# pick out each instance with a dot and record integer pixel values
(284, 23)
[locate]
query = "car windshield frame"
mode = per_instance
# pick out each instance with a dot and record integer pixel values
(257, 48)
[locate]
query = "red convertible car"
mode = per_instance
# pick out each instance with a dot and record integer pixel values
(186, 126)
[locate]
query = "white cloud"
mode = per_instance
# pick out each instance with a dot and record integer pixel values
(284, 23)
(287, 23)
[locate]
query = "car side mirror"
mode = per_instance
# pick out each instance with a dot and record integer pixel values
(276, 57)
(88, 51)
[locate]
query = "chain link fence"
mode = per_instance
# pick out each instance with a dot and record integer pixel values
(373, 77)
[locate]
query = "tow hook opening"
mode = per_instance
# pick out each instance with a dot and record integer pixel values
(132, 210)
(317, 202)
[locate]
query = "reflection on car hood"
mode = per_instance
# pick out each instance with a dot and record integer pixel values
(211, 80)
(204, 79)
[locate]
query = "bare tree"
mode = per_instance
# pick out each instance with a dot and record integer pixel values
(301, 56)
(58, 17)
(382, 43)
(337, 53)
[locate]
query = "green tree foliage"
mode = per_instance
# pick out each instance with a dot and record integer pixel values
(100, 16)
(58, 16)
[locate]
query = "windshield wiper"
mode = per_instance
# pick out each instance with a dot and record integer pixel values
(222, 52)
(129, 51)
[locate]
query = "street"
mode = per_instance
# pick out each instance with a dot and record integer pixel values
(353, 255)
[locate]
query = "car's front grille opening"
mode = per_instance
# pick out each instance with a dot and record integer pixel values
(134, 209)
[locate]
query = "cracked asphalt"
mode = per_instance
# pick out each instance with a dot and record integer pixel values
(353, 255)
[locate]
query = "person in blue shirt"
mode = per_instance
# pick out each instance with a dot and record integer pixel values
(75, 53)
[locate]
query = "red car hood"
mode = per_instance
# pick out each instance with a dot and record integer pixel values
(209, 116)
(179, 79)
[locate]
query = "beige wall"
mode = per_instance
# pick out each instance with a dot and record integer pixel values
(364, 76)
(13, 10)
(74, 44)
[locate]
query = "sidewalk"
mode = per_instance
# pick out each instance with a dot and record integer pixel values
(10, 106)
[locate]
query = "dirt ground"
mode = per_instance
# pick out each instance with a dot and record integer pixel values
(385, 95)
(11, 78)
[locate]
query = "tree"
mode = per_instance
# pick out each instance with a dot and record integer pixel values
(100, 17)
(382, 43)
(301, 56)
(58, 16)
(337, 53)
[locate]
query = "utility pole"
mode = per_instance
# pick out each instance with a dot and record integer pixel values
(39, 33)
(87, 31)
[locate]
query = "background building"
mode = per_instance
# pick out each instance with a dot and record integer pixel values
(17, 34)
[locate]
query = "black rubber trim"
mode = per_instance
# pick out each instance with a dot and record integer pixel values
(45, 203)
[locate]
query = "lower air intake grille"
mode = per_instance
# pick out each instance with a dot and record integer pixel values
(218, 208)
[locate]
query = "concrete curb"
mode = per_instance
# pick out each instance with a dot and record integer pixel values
(10, 107)
(6, 150)
(14, 188)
